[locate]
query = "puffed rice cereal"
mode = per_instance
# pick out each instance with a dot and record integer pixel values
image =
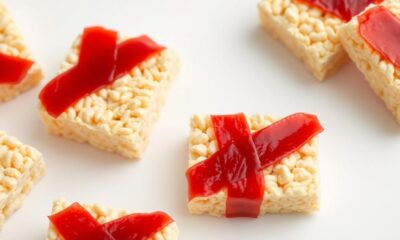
(118, 118)
(292, 185)
(103, 215)
(308, 32)
(21, 166)
(381, 74)
(12, 43)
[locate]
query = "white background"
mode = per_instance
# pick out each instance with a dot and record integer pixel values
(229, 65)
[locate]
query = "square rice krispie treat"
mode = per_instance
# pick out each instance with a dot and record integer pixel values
(119, 117)
(21, 166)
(12, 44)
(370, 40)
(104, 215)
(307, 31)
(290, 185)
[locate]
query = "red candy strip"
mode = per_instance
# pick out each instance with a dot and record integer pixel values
(13, 69)
(138, 226)
(76, 223)
(285, 137)
(242, 175)
(134, 51)
(380, 29)
(101, 62)
(237, 167)
(343, 9)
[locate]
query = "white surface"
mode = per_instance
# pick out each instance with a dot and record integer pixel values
(229, 65)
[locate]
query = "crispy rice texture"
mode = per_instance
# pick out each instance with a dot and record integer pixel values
(21, 166)
(292, 185)
(104, 215)
(309, 33)
(382, 75)
(12, 43)
(118, 118)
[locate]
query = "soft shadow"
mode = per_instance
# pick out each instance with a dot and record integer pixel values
(276, 55)
(350, 87)
(180, 185)
(210, 226)
(77, 152)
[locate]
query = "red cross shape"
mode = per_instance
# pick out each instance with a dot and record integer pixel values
(343, 9)
(13, 69)
(101, 62)
(237, 166)
(75, 223)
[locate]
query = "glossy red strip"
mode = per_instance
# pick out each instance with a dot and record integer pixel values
(343, 9)
(380, 29)
(75, 223)
(138, 226)
(241, 165)
(238, 169)
(13, 69)
(101, 62)
(285, 136)
(134, 51)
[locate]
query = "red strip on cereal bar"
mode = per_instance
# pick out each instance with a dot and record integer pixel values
(371, 42)
(18, 70)
(110, 91)
(309, 29)
(248, 166)
(82, 222)
(21, 166)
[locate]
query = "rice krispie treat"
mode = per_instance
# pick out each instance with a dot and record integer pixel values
(113, 109)
(371, 40)
(75, 221)
(309, 29)
(242, 167)
(18, 70)
(21, 166)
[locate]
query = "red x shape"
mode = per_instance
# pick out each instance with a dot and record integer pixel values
(101, 62)
(237, 166)
(75, 223)
(343, 9)
(13, 69)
